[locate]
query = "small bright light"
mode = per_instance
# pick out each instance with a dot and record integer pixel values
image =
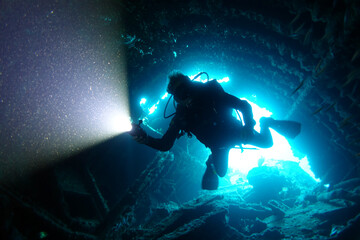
(225, 79)
(152, 109)
(203, 79)
(165, 96)
(142, 101)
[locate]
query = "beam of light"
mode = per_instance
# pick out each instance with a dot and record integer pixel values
(240, 163)
(116, 123)
(63, 88)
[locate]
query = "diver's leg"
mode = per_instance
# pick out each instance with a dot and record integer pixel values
(220, 161)
(210, 180)
(287, 128)
(264, 138)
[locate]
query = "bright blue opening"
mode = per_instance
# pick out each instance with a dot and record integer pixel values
(241, 162)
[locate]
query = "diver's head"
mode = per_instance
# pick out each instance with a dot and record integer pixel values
(179, 86)
(177, 81)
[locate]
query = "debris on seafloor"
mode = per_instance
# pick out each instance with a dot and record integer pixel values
(280, 205)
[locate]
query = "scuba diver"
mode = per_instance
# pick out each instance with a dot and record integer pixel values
(206, 111)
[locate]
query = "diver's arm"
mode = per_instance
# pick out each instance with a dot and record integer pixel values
(243, 106)
(166, 142)
(162, 144)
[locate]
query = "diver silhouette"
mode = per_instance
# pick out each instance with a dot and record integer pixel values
(206, 111)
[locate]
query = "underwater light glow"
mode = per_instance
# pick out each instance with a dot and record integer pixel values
(304, 164)
(225, 79)
(118, 123)
(142, 101)
(165, 96)
(152, 109)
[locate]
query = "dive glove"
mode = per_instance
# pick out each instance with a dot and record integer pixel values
(138, 134)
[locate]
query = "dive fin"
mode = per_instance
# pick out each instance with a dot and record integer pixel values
(210, 180)
(289, 129)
